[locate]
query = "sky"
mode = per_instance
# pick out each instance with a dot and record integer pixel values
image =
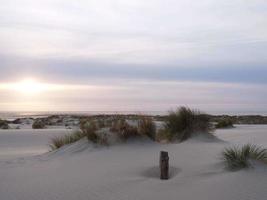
(134, 55)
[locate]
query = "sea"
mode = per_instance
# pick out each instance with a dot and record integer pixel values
(38, 114)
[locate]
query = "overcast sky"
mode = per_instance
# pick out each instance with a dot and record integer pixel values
(135, 55)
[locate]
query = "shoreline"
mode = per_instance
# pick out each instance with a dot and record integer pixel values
(236, 119)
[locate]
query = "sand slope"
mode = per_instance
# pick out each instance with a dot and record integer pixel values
(26, 142)
(129, 171)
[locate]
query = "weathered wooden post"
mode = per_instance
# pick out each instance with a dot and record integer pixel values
(164, 165)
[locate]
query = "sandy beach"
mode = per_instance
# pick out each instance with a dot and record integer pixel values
(133, 100)
(126, 171)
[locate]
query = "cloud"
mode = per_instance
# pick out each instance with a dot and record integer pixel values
(85, 71)
(135, 32)
(142, 96)
(111, 43)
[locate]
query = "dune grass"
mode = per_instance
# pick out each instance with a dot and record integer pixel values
(117, 125)
(163, 135)
(124, 130)
(147, 127)
(179, 125)
(237, 158)
(89, 128)
(185, 122)
(38, 124)
(3, 124)
(59, 141)
(224, 123)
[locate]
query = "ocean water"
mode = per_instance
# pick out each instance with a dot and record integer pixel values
(35, 114)
(15, 115)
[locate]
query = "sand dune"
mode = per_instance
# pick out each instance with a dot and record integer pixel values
(26, 142)
(128, 171)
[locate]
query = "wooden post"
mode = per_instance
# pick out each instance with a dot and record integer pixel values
(164, 165)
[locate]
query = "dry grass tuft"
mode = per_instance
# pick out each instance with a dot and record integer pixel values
(89, 129)
(60, 141)
(3, 124)
(124, 130)
(147, 127)
(185, 122)
(237, 158)
(38, 124)
(224, 123)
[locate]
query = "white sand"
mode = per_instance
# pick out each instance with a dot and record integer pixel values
(128, 171)
(26, 142)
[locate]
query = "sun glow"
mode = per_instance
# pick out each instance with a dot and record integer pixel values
(27, 87)
(30, 86)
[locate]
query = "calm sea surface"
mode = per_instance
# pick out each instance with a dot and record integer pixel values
(15, 115)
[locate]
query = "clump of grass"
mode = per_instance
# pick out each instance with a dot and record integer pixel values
(185, 122)
(237, 158)
(3, 124)
(147, 127)
(224, 123)
(38, 124)
(100, 123)
(163, 135)
(128, 132)
(89, 129)
(60, 141)
(117, 125)
(108, 122)
(124, 130)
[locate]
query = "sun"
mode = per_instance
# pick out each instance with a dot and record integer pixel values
(30, 86)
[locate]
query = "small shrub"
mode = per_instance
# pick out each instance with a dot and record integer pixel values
(60, 141)
(163, 136)
(123, 129)
(117, 125)
(89, 128)
(57, 142)
(128, 132)
(3, 124)
(184, 122)
(224, 123)
(38, 124)
(101, 124)
(238, 158)
(147, 127)
(108, 122)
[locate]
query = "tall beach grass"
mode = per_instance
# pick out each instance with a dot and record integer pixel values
(185, 123)
(236, 158)
(59, 141)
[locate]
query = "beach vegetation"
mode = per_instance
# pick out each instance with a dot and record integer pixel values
(185, 123)
(146, 126)
(124, 130)
(224, 123)
(38, 124)
(59, 141)
(236, 158)
(3, 124)
(89, 128)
